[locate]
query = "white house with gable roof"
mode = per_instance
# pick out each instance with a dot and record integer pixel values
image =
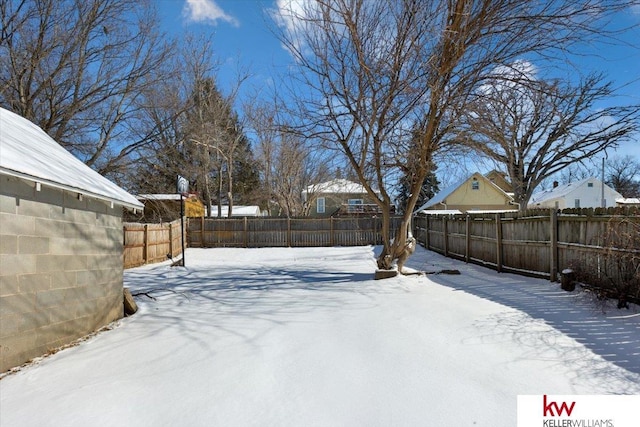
(586, 193)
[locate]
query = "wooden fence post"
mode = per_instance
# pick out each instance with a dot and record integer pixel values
(246, 238)
(426, 239)
(145, 239)
(498, 243)
(288, 231)
(467, 243)
(553, 261)
(171, 238)
(202, 244)
(331, 238)
(445, 230)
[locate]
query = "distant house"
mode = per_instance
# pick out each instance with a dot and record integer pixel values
(586, 193)
(338, 197)
(475, 193)
(166, 207)
(61, 243)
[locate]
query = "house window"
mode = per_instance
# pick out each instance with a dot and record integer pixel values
(576, 203)
(590, 184)
(475, 184)
(320, 205)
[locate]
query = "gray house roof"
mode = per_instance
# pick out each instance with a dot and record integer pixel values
(27, 152)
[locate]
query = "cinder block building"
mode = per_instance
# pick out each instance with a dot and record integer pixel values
(61, 243)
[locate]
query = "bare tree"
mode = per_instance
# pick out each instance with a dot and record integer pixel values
(623, 174)
(192, 130)
(216, 128)
(13, 17)
(76, 69)
(534, 129)
(378, 72)
(287, 163)
(161, 119)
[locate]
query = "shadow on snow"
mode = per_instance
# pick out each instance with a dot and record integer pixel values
(230, 297)
(614, 334)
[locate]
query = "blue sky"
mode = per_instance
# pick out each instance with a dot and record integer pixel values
(241, 30)
(241, 33)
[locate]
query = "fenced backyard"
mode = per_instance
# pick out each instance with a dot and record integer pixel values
(603, 244)
(149, 243)
(285, 232)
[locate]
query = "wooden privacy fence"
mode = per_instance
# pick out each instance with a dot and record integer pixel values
(539, 242)
(285, 232)
(149, 243)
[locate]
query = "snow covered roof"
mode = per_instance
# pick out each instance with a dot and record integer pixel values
(563, 190)
(342, 186)
(27, 152)
(158, 196)
(442, 195)
(490, 211)
(439, 211)
(175, 196)
(628, 201)
(253, 210)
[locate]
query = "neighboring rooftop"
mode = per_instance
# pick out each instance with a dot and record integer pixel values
(237, 211)
(628, 201)
(343, 186)
(175, 196)
(561, 190)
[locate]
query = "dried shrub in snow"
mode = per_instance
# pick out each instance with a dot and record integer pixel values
(614, 270)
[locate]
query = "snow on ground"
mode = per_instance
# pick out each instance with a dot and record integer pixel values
(303, 336)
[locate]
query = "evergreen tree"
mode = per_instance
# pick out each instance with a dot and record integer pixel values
(430, 187)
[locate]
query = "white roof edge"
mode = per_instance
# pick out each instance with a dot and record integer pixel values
(439, 212)
(29, 153)
(159, 196)
(337, 186)
(59, 186)
(624, 200)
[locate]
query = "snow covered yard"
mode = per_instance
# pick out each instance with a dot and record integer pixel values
(305, 337)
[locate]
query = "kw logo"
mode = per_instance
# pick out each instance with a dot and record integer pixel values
(548, 408)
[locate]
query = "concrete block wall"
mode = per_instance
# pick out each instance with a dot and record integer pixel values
(60, 268)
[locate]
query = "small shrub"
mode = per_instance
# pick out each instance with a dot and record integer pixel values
(615, 271)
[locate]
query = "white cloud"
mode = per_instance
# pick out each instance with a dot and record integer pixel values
(207, 11)
(290, 16)
(288, 12)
